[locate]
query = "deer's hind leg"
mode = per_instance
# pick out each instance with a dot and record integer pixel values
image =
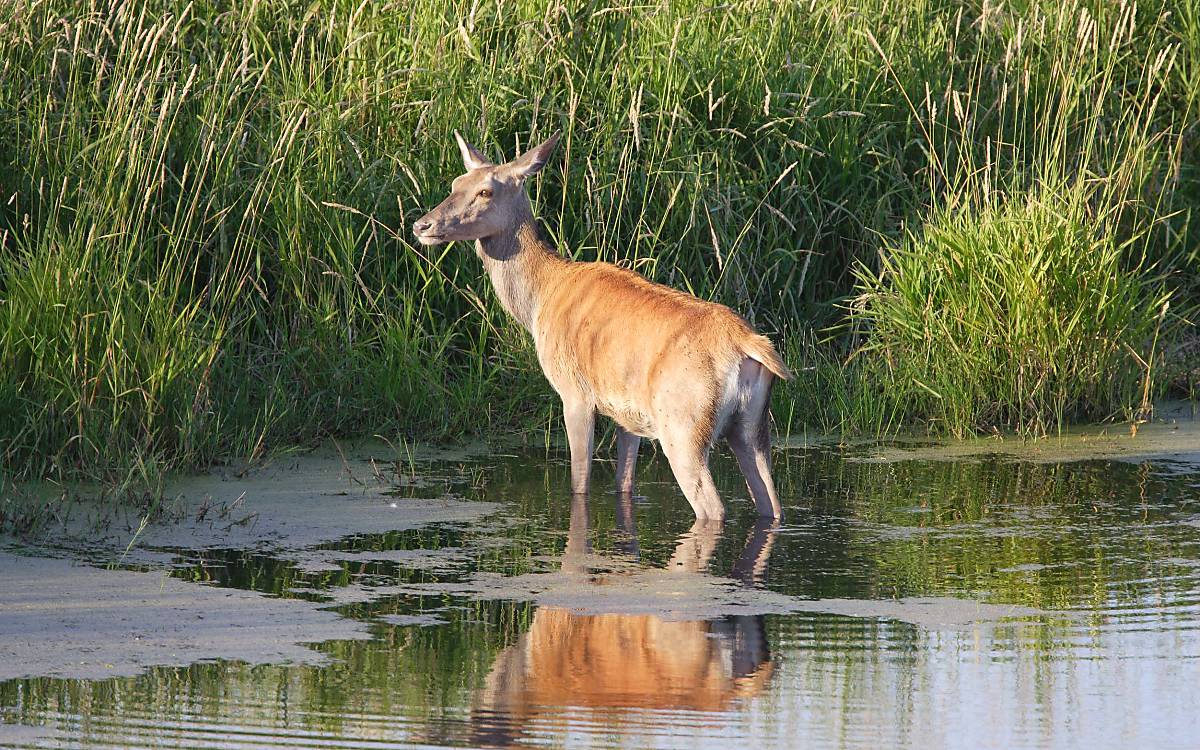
(627, 453)
(686, 449)
(749, 435)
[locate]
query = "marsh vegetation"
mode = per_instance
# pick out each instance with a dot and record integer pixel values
(954, 215)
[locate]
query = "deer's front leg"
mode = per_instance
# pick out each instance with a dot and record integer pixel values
(580, 416)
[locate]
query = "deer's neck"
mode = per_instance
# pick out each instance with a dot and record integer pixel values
(522, 268)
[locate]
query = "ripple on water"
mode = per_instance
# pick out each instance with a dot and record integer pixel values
(983, 603)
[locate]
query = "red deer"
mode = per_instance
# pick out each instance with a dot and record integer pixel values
(660, 362)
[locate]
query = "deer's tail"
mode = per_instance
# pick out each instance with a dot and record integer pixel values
(759, 349)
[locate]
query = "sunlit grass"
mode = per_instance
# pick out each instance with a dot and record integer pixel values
(1018, 314)
(203, 243)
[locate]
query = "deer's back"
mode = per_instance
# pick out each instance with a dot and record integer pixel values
(632, 346)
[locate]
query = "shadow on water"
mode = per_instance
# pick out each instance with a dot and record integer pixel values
(874, 617)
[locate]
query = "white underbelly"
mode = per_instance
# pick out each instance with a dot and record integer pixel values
(629, 416)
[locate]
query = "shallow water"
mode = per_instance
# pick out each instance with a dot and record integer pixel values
(973, 603)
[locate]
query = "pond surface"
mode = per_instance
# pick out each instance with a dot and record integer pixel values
(974, 603)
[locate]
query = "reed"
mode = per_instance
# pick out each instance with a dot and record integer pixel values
(203, 243)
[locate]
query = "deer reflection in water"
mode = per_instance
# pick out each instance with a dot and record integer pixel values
(625, 661)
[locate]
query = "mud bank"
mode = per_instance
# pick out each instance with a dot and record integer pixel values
(673, 595)
(289, 505)
(1174, 436)
(62, 619)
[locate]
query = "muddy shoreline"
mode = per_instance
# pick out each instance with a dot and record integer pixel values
(90, 596)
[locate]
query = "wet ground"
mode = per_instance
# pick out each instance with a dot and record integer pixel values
(1006, 596)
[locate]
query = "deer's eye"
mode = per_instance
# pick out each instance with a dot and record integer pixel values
(485, 193)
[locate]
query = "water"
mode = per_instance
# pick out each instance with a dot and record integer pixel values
(973, 604)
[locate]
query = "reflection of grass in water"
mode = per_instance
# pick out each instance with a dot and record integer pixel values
(1101, 521)
(1044, 535)
(910, 528)
(255, 571)
(404, 676)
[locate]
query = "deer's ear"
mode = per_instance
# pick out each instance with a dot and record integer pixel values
(472, 158)
(534, 159)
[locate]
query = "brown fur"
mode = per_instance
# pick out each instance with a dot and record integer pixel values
(622, 661)
(661, 363)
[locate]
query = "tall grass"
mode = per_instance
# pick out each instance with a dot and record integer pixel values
(202, 227)
(1035, 289)
(1017, 314)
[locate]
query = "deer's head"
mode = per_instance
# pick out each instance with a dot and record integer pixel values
(487, 200)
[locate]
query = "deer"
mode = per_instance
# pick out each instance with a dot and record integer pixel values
(661, 363)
